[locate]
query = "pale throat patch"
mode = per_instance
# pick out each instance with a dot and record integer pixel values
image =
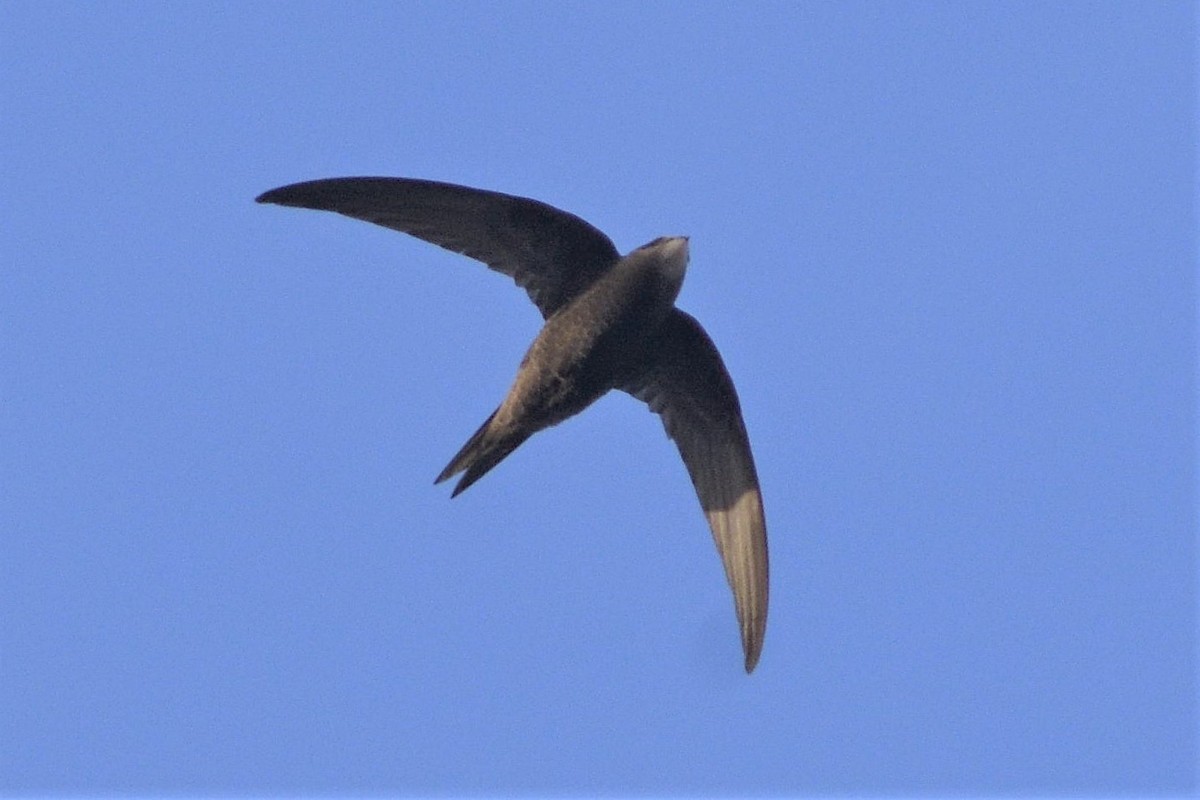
(675, 257)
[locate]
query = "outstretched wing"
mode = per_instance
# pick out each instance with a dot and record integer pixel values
(687, 384)
(551, 254)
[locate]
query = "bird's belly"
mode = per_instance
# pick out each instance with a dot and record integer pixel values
(553, 389)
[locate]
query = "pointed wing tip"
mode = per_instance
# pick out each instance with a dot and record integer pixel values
(753, 651)
(306, 194)
(281, 196)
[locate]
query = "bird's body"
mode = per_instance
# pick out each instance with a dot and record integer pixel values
(611, 322)
(592, 344)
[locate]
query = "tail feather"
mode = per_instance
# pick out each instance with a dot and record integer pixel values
(485, 449)
(467, 452)
(487, 459)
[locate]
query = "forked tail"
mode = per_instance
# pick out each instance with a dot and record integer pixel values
(485, 449)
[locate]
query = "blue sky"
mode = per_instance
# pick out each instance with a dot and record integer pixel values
(948, 251)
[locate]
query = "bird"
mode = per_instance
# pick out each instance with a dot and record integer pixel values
(610, 322)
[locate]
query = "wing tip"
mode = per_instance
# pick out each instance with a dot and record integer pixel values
(752, 645)
(309, 194)
(280, 195)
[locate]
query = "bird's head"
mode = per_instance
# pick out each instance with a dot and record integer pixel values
(669, 254)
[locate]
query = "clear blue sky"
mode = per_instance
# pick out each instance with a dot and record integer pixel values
(948, 251)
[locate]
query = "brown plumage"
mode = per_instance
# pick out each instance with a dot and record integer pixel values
(611, 323)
